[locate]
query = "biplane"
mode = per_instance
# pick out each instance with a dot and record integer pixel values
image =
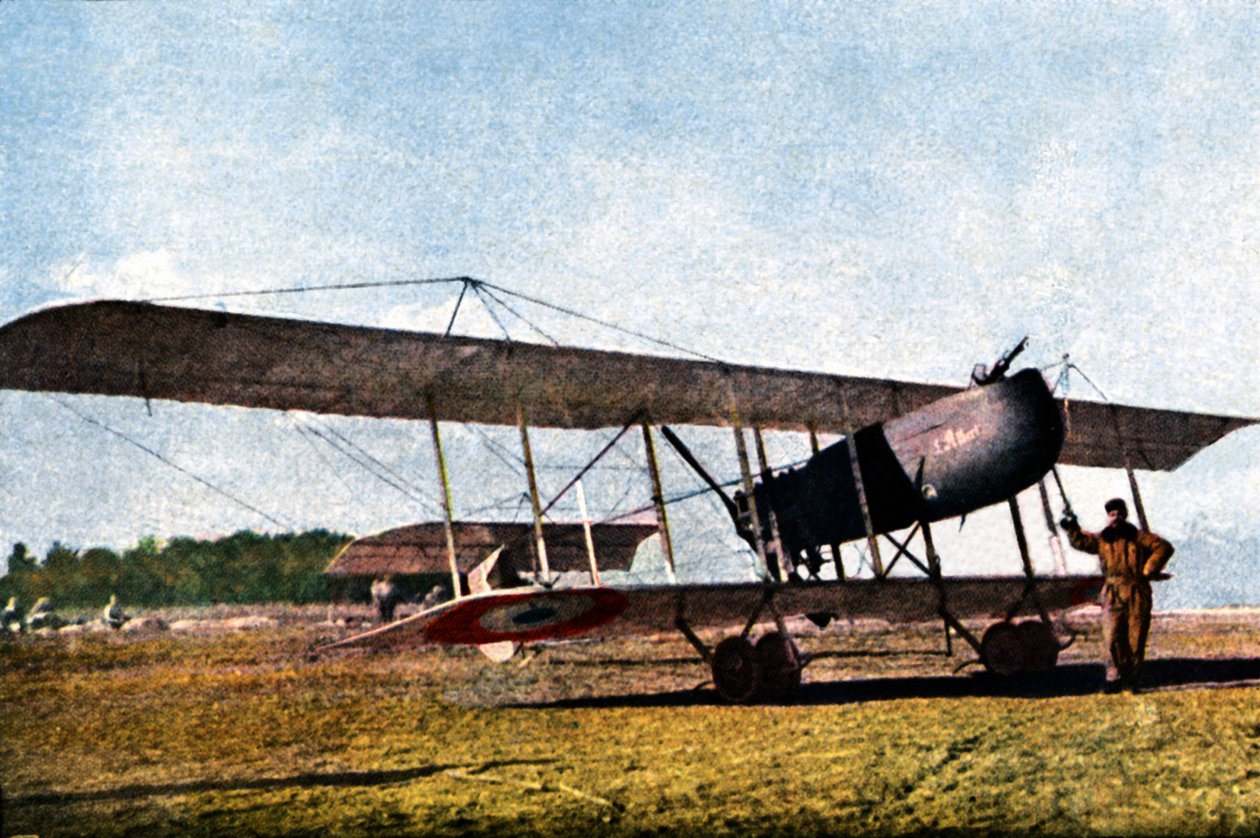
(909, 455)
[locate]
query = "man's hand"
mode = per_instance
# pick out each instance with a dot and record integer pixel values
(1069, 522)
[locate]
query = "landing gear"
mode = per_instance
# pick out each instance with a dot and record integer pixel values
(736, 672)
(1008, 648)
(1000, 649)
(1041, 647)
(744, 672)
(779, 662)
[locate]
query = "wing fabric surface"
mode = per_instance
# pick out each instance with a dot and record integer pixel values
(532, 615)
(162, 352)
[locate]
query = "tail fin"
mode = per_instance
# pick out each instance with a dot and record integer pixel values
(479, 583)
(479, 576)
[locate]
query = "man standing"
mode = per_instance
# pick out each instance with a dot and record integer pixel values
(1129, 559)
(387, 595)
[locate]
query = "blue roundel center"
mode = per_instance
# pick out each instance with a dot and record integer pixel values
(534, 614)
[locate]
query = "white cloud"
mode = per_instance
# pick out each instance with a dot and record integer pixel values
(472, 318)
(149, 273)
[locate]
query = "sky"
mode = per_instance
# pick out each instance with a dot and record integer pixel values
(892, 189)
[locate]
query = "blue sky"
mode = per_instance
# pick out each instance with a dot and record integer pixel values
(882, 189)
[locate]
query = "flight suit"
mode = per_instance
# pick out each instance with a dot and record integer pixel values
(1129, 558)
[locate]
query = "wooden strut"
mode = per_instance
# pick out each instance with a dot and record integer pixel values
(1137, 496)
(763, 466)
(1056, 544)
(544, 570)
(835, 548)
(680, 622)
(658, 497)
(1030, 585)
(586, 530)
(766, 596)
(851, 443)
(951, 622)
(871, 541)
(1138, 506)
(741, 451)
(448, 519)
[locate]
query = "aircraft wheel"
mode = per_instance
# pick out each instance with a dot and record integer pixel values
(1040, 646)
(736, 673)
(779, 663)
(1002, 649)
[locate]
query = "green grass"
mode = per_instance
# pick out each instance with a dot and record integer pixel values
(241, 734)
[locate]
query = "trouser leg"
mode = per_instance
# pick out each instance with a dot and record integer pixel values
(1116, 626)
(1139, 626)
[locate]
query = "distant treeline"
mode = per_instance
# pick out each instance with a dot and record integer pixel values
(243, 568)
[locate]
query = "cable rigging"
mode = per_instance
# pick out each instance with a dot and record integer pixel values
(222, 492)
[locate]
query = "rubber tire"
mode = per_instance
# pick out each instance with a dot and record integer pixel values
(1041, 647)
(736, 673)
(1002, 649)
(780, 670)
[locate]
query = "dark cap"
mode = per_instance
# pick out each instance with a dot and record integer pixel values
(1116, 505)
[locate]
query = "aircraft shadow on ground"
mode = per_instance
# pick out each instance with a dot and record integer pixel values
(1067, 680)
(692, 660)
(338, 779)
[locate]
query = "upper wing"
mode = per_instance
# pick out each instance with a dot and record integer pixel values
(1112, 436)
(163, 352)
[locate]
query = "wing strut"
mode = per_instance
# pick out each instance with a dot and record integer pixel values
(1138, 506)
(586, 531)
(448, 520)
(1030, 586)
(783, 564)
(658, 497)
(1056, 544)
(745, 471)
(683, 451)
(835, 548)
(540, 545)
(851, 443)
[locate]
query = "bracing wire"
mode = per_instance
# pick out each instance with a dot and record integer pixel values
(493, 314)
(423, 495)
(403, 485)
(505, 456)
(222, 492)
(480, 287)
(519, 316)
(302, 289)
(606, 324)
(306, 438)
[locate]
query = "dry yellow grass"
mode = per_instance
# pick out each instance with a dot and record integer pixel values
(241, 734)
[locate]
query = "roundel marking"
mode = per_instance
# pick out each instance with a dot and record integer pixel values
(536, 614)
(527, 616)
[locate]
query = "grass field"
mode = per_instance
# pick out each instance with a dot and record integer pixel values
(221, 733)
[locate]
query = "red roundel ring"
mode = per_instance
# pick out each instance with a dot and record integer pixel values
(527, 616)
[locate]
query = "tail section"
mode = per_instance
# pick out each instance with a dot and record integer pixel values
(479, 583)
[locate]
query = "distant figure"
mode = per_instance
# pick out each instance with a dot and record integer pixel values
(42, 616)
(113, 615)
(1129, 560)
(433, 598)
(11, 618)
(387, 595)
